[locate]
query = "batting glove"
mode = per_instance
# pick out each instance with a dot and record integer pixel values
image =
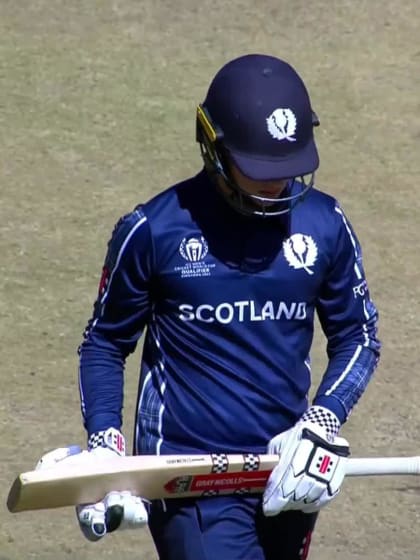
(312, 464)
(118, 510)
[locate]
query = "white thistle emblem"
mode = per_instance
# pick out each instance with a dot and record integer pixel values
(281, 124)
(300, 251)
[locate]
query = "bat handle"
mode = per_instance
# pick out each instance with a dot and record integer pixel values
(376, 466)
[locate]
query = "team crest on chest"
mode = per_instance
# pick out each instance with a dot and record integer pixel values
(300, 251)
(194, 250)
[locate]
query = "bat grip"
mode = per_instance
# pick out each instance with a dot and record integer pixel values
(376, 466)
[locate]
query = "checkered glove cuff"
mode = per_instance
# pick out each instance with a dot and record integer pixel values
(110, 438)
(325, 418)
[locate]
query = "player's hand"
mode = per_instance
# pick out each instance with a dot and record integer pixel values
(311, 466)
(117, 510)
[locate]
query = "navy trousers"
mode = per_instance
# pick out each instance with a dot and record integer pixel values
(228, 528)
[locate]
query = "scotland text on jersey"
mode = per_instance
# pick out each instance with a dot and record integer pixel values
(243, 311)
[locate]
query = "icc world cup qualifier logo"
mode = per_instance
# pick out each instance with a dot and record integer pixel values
(193, 249)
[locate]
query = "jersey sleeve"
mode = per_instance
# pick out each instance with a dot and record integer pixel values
(348, 318)
(119, 316)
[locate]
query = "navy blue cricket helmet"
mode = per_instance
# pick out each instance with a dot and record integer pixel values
(258, 115)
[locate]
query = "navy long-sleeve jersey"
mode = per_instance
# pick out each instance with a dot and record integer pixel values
(228, 305)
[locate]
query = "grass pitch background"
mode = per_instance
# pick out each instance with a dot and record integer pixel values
(97, 103)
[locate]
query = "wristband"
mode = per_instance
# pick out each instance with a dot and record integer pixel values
(110, 438)
(325, 418)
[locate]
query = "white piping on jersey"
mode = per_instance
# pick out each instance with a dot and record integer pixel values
(161, 411)
(120, 254)
(105, 295)
(359, 348)
(365, 333)
(359, 275)
(146, 381)
(346, 370)
(161, 366)
(82, 399)
(357, 270)
(366, 311)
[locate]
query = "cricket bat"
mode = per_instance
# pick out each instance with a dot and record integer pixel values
(166, 476)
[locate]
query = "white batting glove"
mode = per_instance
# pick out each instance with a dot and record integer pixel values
(311, 466)
(118, 510)
(68, 455)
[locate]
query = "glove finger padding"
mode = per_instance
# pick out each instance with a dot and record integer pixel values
(114, 512)
(118, 510)
(124, 511)
(91, 520)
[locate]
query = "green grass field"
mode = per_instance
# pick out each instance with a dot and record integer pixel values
(97, 104)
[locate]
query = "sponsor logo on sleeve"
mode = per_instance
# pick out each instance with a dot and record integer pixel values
(360, 290)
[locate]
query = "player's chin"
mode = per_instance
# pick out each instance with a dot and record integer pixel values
(270, 205)
(270, 202)
(270, 196)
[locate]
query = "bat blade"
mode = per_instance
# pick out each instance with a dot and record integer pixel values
(77, 481)
(149, 476)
